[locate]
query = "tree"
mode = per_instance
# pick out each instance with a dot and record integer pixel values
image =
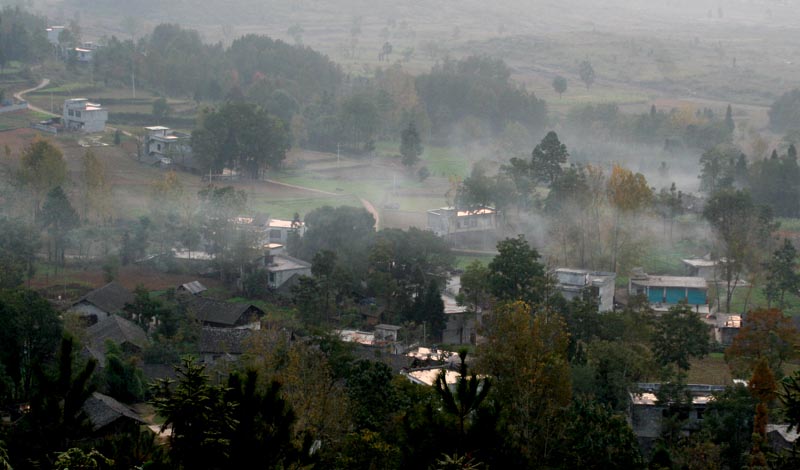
(729, 422)
(161, 109)
(743, 229)
(782, 276)
(474, 292)
(18, 246)
(123, 378)
(42, 168)
(763, 388)
(410, 145)
(242, 137)
(60, 218)
(586, 72)
(628, 194)
(785, 111)
(198, 415)
(516, 274)
(547, 158)
(76, 459)
(534, 387)
(717, 168)
(29, 338)
(464, 401)
(767, 334)
(680, 335)
(596, 437)
(729, 124)
(429, 309)
(559, 85)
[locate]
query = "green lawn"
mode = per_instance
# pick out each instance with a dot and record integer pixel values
(757, 299)
(462, 261)
(441, 161)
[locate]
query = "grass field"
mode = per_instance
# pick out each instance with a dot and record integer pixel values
(18, 119)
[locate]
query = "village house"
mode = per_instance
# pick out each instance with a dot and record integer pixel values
(646, 412)
(164, 143)
(283, 270)
(664, 292)
(81, 115)
(84, 55)
(222, 343)
(129, 336)
(703, 267)
(461, 326)
(278, 230)
(109, 417)
(476, 227)
(100, 304)
(574, 283)
(53, 32)
(192, 288)
(727, 326)
(215, 313)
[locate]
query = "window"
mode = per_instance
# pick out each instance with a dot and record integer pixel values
(159, 147)
(71, 112)
(272, 278)
(275, 234)
(78, 113)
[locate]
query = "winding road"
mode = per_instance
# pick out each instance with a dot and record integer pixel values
(20, 95)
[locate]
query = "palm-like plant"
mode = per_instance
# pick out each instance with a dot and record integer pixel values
(470, 391)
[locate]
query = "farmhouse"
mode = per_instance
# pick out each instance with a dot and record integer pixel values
(464, 227)
(703, 267)
(574, 283)
(278, 230)
(81, 115)
(215, 313)
(163, 142)
(109, 417)
(128, 335)
(52, 34)
(663, 292)
(282, 269)
(100, 304)
(217, 343)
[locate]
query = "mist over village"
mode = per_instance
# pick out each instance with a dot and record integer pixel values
(351, 234)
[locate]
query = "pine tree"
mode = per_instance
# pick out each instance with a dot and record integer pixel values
(729, 124)
(410, 145)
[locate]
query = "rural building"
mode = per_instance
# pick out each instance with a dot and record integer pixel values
(52, 34)
(663, 292)
(703, 267)
(574, 283)
(109, 417)
(100, 304)
(278, 230)
(84, 55)
(81, 115)
(217, 343)
(462, 325)
(726, 328)
(386, 333)
(646, 412)
(282, 269)
(464, 227)
(193, 288)
(163, 142)
(780, 437)
(215, 313)
(130, 337)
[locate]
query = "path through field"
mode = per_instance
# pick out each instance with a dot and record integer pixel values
(20, 95)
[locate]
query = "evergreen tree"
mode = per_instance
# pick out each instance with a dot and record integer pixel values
(729, 124)
(410, 145)
(547, 158)
(781, 274)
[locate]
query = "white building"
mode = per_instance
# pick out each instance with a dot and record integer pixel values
(81, 115)
(573, 283)
(84, 55)
(162, 141)
(278, 230)
(52, 34)
(282, 268)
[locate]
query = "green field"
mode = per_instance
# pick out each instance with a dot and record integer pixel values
(18, 119)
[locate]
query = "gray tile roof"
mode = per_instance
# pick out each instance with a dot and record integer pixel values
(220, 313)
(102, 410)
(118, 330)
(110, 298)
(224, 340)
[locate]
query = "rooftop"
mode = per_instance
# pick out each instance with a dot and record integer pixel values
(671, 281)
(110, 298)
(700, 262)
(118, 330)
(215, 311)
(194, 287)
(157, 128)
(224, 340)
(286, 263)
(281, 223)
(103, 410)
(428, 376)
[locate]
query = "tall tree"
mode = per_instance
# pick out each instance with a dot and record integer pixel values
(767, 334)
(97, 196)
(410, 145)
(516, 273)
(535, 386)
(42, 168)
(743, 229)
(628, 194)
(586, 72)
(242, 137)
(18, 246)
(763, 388)
(782, 276)
(59, 218)
(729, 124)
(680, 335)
(547, 158)
(198, 415)
(559, 85)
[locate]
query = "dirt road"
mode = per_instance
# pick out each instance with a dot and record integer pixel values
(20, 95)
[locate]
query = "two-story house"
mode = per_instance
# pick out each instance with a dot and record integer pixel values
(81, 115)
